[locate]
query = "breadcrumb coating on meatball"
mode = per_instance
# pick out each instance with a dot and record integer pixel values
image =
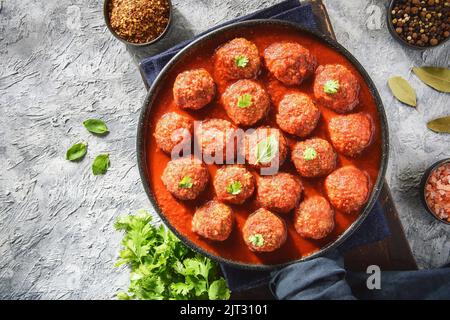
(213, 220)
(194, 89)
(264, 231)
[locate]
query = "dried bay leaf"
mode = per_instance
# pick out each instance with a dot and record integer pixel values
(402, 90)
(436, 77)
(440, 125)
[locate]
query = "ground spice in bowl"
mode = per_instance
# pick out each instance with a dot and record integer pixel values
(437, 191)
(420, 23)
(139, 21)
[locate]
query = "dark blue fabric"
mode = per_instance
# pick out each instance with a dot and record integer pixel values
(375, 226)
(326, 278)
(318, 279)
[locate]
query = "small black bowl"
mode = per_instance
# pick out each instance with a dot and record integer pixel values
(394, 34)
(423, 184)
(108, 24)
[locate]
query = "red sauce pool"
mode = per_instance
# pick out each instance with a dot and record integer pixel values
(180, 213)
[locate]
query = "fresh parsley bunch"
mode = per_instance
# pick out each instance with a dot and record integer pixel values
(164, 268)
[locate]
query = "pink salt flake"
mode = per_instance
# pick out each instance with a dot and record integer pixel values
(437, 191)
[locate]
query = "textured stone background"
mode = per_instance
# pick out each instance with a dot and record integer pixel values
(59, 65)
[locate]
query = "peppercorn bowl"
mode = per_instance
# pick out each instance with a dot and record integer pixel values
(423, 188)
(420, 37)
(106, 14)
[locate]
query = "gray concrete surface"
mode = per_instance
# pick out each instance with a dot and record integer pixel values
(59, 65)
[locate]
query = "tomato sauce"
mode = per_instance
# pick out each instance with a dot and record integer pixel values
(179, 213)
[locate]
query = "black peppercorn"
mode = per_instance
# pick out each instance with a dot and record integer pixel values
(421, 23)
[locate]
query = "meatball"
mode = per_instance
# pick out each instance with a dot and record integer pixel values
(185, 178)
(246, 102)
(194, 89)
(348, 189)
(234, 184)
(314, 218)
(265, 147)
(237, 59)
(217, 135)
(314, 157)
(351, 134)
(213, 220)
(336, 88)
(172, 129)
(289, 62)
(280, 193)
(264, 231)
(297, 114)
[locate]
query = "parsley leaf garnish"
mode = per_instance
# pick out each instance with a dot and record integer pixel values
(266, 149)
(256, 239)
(186, 183)
(162, 267)
(309, 154)
(241, 61)
(331, 86)
(245, 101)
(234, 188)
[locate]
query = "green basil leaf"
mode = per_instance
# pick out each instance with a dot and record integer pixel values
(241, 61)
(256, 239)
(77, 151)
(266, 149)
(100, 164)
(245, 101)
(440, 125)
(219, 290)
(95, 126)
(331, 86)
(435, 77)
(234, 188)
(186, 183)
(402, 90)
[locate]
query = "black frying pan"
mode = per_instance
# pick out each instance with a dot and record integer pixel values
(253, 24)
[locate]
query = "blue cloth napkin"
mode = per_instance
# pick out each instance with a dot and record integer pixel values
(325, 278)
(373, 229)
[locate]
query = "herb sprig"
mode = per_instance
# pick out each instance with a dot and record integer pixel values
(331, 86)
(162, 267)
(256, 239)
(244, 101)
(266, 150)
(234, 188)
(241, 61)
(186, 183)
(309, 154)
